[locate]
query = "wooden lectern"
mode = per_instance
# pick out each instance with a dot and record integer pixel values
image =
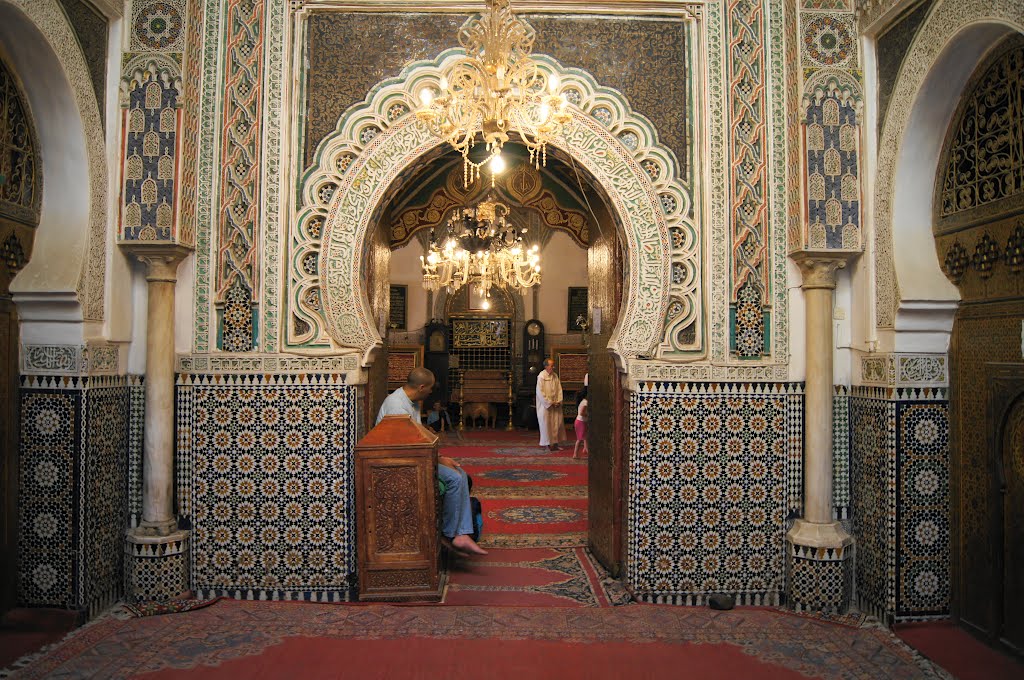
(396, 513)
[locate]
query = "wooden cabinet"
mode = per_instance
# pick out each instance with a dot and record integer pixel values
(396, 513)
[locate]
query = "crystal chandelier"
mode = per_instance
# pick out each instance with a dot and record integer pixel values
(481, 248)
(495, 89)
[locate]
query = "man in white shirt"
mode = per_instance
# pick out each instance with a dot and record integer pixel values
(456, 514)
(549, 406)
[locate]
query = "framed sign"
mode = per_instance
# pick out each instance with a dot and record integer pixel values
(401, 360)
(398, 316)
(578, 309)
(571, 365)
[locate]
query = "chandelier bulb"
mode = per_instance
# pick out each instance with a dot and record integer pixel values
(426, 97)
(553, 83)
(443, 84)
(497, 164)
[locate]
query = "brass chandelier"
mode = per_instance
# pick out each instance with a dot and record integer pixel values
(497, 88)
(481, 248)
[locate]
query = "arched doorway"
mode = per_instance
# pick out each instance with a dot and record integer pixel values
(656, 228)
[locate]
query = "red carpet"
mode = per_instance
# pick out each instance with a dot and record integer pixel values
(23, 631)
(491, 659)
(959, 652)
(245, 639)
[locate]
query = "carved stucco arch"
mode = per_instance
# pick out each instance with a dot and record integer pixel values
(69, 253)
(376, 141)
(951, 43)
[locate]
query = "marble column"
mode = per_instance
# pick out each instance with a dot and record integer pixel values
(819, 549)
(155, 551)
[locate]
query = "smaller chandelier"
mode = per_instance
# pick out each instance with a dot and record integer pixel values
(495, 89)
(481, 248)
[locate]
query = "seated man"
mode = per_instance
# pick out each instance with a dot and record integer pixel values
(456, 514)
(437, 418)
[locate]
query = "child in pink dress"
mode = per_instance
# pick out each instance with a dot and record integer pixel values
(582, 418)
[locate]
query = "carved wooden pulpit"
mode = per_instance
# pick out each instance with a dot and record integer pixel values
(396, 513)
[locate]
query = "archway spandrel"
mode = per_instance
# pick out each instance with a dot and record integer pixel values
(641, 183)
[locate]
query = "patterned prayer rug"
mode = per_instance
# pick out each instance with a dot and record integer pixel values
(543, 577)
(311, 640)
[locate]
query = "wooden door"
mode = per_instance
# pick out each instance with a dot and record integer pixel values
(1012, 624)
(606, 508)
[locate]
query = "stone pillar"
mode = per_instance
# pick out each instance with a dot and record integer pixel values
(156, 549)
(818, 549)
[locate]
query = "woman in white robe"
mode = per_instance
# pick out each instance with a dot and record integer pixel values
(549, 406)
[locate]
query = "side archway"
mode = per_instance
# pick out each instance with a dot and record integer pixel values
(378, 140)
(912, 294)
(65, 278)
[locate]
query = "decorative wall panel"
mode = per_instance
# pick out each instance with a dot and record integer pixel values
(899, 483)
(830, 103)
(152, 86)
(239, 224)
(91, 29)
(746, 29)
(74, 490)
(265, 481)
(645, 60)
(708, 484)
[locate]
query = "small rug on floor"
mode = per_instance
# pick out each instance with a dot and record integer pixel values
(155, 608)
(542, 577)
(248, 639)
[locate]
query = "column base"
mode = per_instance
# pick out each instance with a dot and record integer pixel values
(156, 567)
(819, 567)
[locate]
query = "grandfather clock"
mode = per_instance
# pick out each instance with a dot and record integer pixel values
(435, 358)
(533, 364)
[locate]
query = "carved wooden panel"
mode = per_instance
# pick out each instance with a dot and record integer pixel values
(396, 514)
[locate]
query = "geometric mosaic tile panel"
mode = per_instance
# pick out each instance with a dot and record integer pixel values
(104, 494)
(73, 490)
(707, 490)
(156, 571)
(841, 453)
(266, 482)
(48, 497)
(900, 501)
(923, 533)
(873, 483)
(819, 580)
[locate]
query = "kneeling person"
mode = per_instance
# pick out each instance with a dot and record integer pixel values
(456, 513)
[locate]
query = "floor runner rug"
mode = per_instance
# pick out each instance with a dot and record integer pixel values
(249, 639)
(526, 476)
(531, 497)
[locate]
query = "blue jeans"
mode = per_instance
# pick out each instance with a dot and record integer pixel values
(456, 515)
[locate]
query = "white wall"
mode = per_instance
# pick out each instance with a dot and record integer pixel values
(406, 270)
(563, 264)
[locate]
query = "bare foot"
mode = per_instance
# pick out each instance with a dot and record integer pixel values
(466, 544)
(447, 543)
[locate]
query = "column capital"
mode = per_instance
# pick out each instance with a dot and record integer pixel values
(161, 258)
(819, 267)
